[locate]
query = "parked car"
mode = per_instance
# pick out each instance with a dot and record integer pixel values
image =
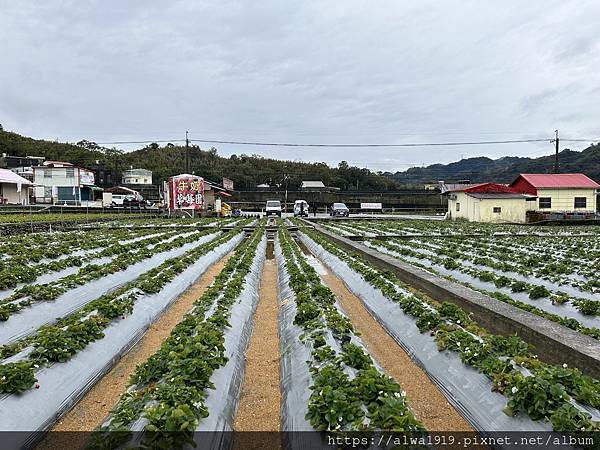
(131, 201)
(339, 210)
(273, 207)
(117, 200)
(300, 208)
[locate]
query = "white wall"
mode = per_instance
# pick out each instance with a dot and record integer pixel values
(466, 210)
(137, 179)
(9, 192)
(512, 210)
(564, 199)
(59, 176)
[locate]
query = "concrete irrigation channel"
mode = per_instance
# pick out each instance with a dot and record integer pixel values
(553, 342)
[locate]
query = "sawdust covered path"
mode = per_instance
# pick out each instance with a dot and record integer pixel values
(259, 405)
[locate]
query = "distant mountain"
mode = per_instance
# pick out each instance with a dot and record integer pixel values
(503, 170)
(246, 171)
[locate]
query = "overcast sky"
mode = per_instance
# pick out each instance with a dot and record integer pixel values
(305, 71)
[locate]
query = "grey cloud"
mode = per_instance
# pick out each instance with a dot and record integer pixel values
(302, 71)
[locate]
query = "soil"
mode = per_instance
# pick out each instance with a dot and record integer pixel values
(95, 406)
(423, 397)
(259, 405)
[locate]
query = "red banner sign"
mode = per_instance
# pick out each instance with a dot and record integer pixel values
(186, 192)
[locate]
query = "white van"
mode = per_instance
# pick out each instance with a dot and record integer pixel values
(300, 208)
(273, 207)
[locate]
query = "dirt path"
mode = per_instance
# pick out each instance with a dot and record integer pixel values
(93, 408)
(425, 400)
(259, 406)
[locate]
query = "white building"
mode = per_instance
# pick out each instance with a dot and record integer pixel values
(488, 202)
(14, 189)
(137, 176)
(59, 182)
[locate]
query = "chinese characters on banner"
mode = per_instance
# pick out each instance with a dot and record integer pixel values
(186, 192)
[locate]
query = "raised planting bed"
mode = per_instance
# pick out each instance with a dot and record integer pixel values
(329, 381)
(536, 393)
(171, 391)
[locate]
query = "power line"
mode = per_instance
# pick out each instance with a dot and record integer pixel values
(164, 141)
(288, 144)
(420, 144)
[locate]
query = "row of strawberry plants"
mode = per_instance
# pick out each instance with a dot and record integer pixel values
(568, 322)
(458, 228)
(168, 390)
(37, 247)
(24, 218)
(172, 221)
(564, 267)
(535, 291)
(32, 293)
(542, 391)
(15, 272)
(364, 400)
(71, 334)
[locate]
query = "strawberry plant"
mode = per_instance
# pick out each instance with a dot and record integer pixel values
(538, 292)
(16, 377)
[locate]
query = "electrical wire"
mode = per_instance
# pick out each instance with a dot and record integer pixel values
(163, 141)
(288, 144)
(423, 144)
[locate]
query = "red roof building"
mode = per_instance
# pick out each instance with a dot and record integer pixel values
(529, 183)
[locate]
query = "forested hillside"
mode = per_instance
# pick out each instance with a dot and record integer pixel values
(505, 169)
(246, 171)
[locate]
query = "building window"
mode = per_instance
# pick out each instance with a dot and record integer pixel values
(70, 172)
(457, 206)
(47, 173)
(580, 202)
(545, 202)
(497, 209)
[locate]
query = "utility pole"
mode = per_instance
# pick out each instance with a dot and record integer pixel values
(556, 141)
(187, 153)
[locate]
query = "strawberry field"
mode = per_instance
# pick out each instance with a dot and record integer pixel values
(148, 332)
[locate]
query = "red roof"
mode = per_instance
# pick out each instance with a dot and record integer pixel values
(485, 188)
(557, 181)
